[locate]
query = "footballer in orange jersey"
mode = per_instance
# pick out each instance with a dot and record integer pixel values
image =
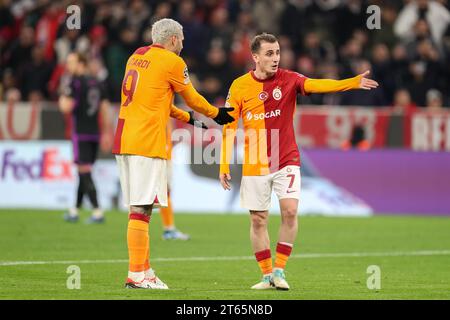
(153, 74)
(265, 99)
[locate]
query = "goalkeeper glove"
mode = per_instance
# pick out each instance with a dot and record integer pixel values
(195, 122)
(223, 117)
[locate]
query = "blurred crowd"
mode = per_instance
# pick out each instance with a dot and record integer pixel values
(409, 56)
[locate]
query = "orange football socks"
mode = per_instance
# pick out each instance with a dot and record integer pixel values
(264, 259)
(167, 218)
(282, 255)
(147, 257)
(138, 242)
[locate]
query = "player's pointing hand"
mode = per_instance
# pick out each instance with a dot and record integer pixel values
(223, 117)
(366, 83)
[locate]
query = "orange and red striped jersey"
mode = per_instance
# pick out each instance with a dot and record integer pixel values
(267, 109)
(152, 76)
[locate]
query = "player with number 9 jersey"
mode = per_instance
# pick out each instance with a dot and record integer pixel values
(153, 75)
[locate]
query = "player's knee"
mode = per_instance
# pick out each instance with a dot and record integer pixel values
(259, 222)
(145, 209)
(289, 216)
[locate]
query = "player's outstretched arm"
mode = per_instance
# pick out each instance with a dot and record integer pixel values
(185, 116)
(198, 103)
(180, 82)
(179, 114)
(328, 85)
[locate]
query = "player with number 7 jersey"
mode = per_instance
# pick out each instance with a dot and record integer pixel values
(153, 74)
(265, 98)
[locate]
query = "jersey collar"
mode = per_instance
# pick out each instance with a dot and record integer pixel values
(252, 72)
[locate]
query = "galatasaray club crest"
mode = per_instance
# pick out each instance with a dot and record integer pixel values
(276, 93)
(263, 96)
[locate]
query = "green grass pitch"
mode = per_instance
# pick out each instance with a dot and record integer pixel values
(330, 261)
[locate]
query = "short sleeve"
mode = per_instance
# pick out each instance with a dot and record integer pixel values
(179, 76)
(300, 83)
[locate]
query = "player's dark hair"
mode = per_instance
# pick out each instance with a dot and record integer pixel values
(263, 37)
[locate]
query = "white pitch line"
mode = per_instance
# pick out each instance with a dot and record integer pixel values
(232, 258)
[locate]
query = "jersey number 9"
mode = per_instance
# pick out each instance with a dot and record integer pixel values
(129, 92)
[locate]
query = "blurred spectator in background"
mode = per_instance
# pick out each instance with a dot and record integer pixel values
(314, 47)
(403, 103)
(137, 15)
(194, 32)
(35, 74)
(382, 69)
(162, 10)
(6, 21)
(357, 139)
(221, 32)
(9, 81)
(386, 34)
(350, 15)
(268, 13)
(423, 78)
(98, 40)
(295, 19)
(240, 55)
(349, 55)
(47, 28)
(215, 75)
(434, 100)
(363, 98)
(20, 50)
(287, 59)
(13, 96)
(69, 42)
(306, 66)
(116, 58)
(411, 50)
(434, 13)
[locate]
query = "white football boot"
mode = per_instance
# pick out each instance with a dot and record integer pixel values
(279, 279)
(154, 281)
(137, 280)
(266, 283)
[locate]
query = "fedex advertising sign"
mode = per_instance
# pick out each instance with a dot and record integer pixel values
(49, 165)
(41, 175)
(36, 174)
